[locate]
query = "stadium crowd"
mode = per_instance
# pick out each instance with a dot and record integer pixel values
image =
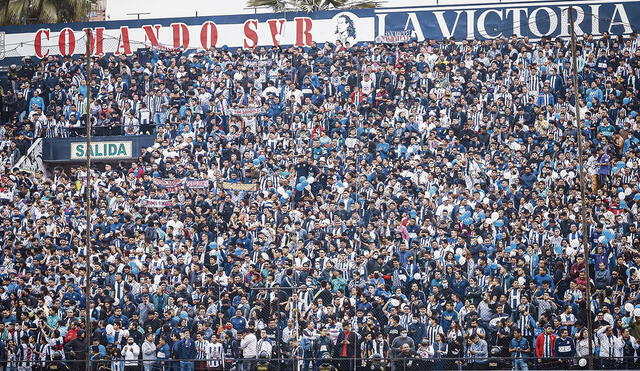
(368, 206)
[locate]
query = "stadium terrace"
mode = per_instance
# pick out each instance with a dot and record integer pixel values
(319, 200)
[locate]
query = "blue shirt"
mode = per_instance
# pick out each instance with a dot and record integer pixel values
(522, 344)
(164, 350)
(445, 323)
(239, 323)
(185, 349)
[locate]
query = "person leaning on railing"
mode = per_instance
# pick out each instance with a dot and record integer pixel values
(630, 346)
(149, 351)
(163, 353)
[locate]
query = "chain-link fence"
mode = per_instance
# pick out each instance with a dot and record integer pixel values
(284, 321)
(274, 320)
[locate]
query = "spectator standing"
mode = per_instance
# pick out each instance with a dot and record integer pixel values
(185, 351)
(248, 346)
(479, 353)
(149, 352)
(545, 347)
(565, 348)
(130, 353)
(519, 349)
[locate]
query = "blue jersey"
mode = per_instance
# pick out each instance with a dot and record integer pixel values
(565, 347)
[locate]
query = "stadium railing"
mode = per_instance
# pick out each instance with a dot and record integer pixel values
(341, 364)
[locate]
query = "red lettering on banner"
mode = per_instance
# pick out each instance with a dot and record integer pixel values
(180, 35)
(67, 39)
(208, 35)
(124, 42)
(99, 37)
(151, 35)
(303, 31)
(276, 26)
(96, 38)
(37, 42)
(250, 33)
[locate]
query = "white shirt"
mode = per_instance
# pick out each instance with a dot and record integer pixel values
(248, 346)
(610, 346)
(426, 351)
(264, 345)
(130, 353)
(287, 334)
(367, 86)
(582, 347)
(177, 226)
(215, 354)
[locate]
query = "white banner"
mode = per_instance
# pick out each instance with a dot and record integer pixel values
(245, 112)
(158, 203)
(467, 21)
(183, 34)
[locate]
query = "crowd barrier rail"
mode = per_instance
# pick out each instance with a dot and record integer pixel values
(321, 364)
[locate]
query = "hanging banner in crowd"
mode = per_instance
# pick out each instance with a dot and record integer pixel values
(240, 186)
(32, 161)
(158, 203)
(171, 185)
(482, 21)
(197, 183)
(394, 37)
(262, 63)
(167, 183)
(175, 184)
(245, 112)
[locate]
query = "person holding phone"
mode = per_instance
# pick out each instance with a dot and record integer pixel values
(519, 349)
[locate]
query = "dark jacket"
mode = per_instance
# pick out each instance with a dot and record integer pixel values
(76, 349)
(351, 347)
(185, 349)
(323, 345)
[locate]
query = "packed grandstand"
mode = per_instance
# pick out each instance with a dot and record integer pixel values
(378, 206)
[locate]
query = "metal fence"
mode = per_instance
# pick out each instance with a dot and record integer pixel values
(399, 363)
(99, 130)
